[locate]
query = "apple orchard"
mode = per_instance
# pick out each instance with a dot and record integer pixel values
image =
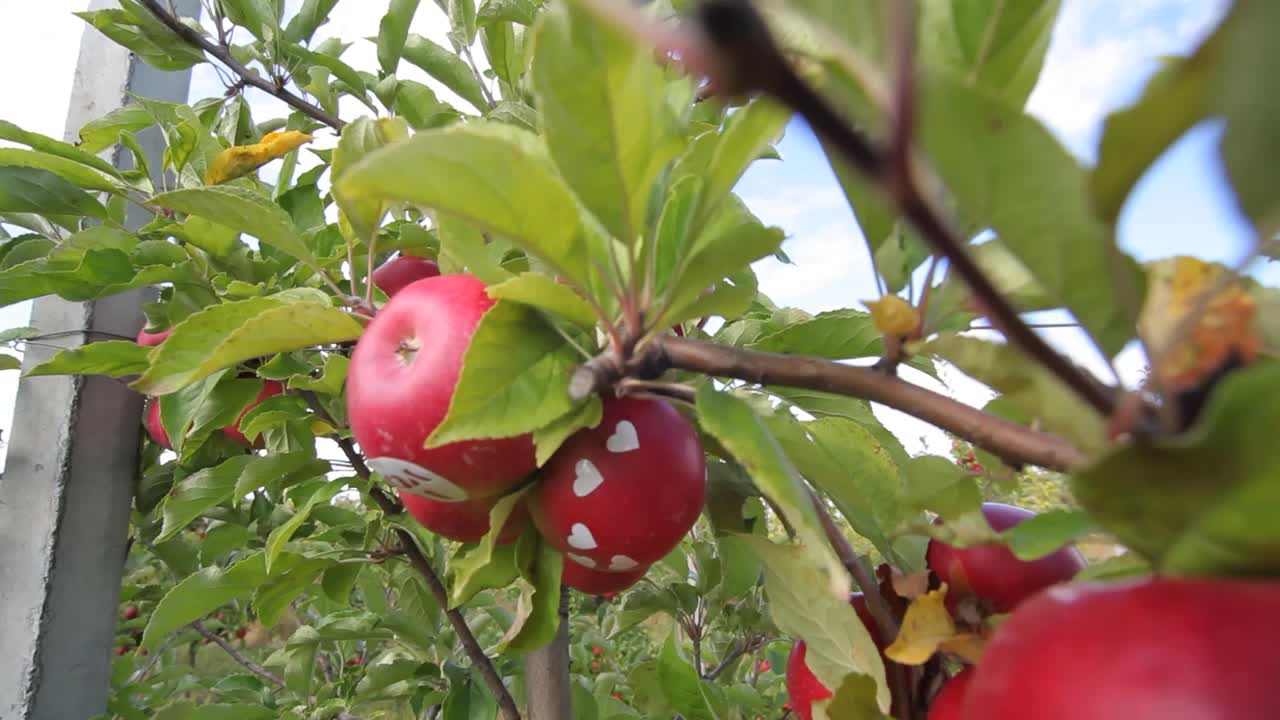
(584, 467)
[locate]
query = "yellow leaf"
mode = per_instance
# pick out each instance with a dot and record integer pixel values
(925, 627)
(893, 316)
(967, 645)
(1223, 328)
(241, 160)
(320, 427)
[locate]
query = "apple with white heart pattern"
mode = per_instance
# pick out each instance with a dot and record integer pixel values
(466, 521)
(402, 377)
(598, 582)
(619, 496)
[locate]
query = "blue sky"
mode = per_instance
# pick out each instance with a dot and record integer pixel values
(1102, 52)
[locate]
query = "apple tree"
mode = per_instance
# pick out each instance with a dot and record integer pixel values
(474, 407)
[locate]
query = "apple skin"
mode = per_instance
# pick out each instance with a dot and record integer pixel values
(651, 488)
(269, 388)
(402, 376)
(152, 339)
(993, 572)
(1146, 649)
(803, 687)
(401, 271)
(948, 704)
(464, 521)
(597, 582)
(154, 427)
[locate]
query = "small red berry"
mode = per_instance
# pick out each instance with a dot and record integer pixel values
(597, 650)
(130, 612)
(355, 661)
(764, 666)
(241, 632)
(122, 650)
(143, 651)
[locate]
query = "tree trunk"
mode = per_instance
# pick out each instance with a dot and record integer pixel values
(546, 673)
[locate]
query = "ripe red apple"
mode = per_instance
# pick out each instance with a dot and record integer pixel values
(597, 582)
(399, 385)
(153, 339)
(803, 687)
(993, 572)
(621, 495)
(154, 427)
(1147, 649)
(949, 702)
(466, 521)
(269, 388)
(395, 274)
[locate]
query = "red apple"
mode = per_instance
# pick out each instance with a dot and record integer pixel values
(466, 521)
(269, 388)
(154, 427)
(1146, 649)
(397, 273)
(993, 572)
(949, 702)
(399, 385)
(803, 687)
(597, 582)
(153, 339)
(131, 612)
(621, 495)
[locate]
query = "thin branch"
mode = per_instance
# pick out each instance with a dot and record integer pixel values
(475, 70)
(743, 47)
(1014, 443)
(236, 655)
(492, 680)
(224, 56)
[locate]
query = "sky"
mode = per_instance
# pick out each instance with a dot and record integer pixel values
(1101, 53)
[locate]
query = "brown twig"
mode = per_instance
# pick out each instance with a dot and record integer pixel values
(492, 680)
(1014, 443)
(744, 50)
(248, 76)
(389, 504)
(740, 648)
(236, 655)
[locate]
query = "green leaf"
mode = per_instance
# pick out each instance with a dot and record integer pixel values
(732, 422)
(257, 16)
(240, 475)
(284, 531)
(420, 106)
(1248, 99)
(300, 660)
(200, 594)
(1007, 172)
(604, 115)
(837, 643)
(494, 176)
(310, 17)
(360, 138)
(931, 482)
(79, 155)
(186, 710)
(464, 246)
(999, 46)
(1045, 533)
(538, 607)
(1026, 385)
(488, 564)
(293, 576)
(9, 362)
(115, 358)
(73, 172)
(540, 291)
(855, 699)
(223, 335)
(517, 11)
(340, 70)
(548, 438)
(681, 684)
(243, 210)
(462, 22)
(514, 378)
(1175, 100)
(392, 32)
(101, 133)
(446, 67)
(1200, 503)
(33, 190)
(151, 41)
(846, 461)
(216, 239)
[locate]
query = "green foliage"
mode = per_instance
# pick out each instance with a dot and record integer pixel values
(591, 188)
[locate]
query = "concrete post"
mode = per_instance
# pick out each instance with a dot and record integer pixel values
(68, 483)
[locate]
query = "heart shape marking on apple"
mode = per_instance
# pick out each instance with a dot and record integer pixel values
(580, 537)
(417, 479)
(624, 438)
(622, 563)
(588, 478)
(581, 560)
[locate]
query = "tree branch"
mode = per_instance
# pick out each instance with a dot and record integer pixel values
(236, 655)
(1014, 443)
(249, 77)
(389, 504)
(744, 50)
(506, 704)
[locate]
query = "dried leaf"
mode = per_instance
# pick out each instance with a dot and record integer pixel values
(893, 316)
(926, 626)
(241, 160)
